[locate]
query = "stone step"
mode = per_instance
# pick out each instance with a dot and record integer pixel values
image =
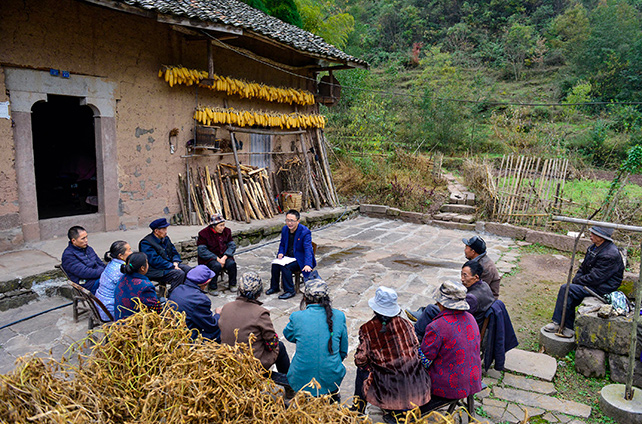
(538, 400)
(531, 363)
(462, 198)
(453, 225)
(457, 208)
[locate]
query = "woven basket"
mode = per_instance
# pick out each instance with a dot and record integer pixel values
(291, 200)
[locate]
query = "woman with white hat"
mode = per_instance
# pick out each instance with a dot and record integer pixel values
(390, 374)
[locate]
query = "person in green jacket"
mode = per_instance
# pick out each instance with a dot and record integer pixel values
(321, 338)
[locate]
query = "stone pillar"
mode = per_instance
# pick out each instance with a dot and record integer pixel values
(107, 170)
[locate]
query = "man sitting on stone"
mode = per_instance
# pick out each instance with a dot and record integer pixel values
(478, 296)
(164, 260)
(191, 299)
(475, 250)
(216, 250)
(296, 242)
(601, 272)
(79, 261)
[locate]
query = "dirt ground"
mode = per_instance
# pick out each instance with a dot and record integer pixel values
(530, 292)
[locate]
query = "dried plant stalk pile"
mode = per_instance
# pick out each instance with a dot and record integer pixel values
(146, 369)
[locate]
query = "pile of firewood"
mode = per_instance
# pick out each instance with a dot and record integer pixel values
(220, 192)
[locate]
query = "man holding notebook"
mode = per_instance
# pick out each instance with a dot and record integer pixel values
(295, 254)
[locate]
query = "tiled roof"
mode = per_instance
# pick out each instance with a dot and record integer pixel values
(238, 14)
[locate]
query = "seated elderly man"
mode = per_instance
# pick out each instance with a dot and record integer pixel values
(191, 299)
(216, 250)
(164, 260)
(80, 262)
(479, 298)
(451, 348)
(601, 272)
(475, 250)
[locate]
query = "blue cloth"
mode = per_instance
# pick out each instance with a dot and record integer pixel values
(108, 282)
(303, 252)
(309, 330)
(130, 287)
(161, 255)
(82, 264)
(198, 309)
(500, 336)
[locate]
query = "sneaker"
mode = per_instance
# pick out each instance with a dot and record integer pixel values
(271, 291)
(232, 287)
(551, 327)
(567, 333)
(214, 292)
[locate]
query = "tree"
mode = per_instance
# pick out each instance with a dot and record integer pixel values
(570, 31)
(519, 43)
(325, 19)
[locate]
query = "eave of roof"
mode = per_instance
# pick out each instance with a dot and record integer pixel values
(236, 14)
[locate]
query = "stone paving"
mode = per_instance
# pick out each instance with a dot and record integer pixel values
(354, 257)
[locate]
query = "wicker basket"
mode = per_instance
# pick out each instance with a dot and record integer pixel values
(291, 200)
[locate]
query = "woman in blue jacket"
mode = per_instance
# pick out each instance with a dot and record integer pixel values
(133, 285)
(321, 338)
(115, 258)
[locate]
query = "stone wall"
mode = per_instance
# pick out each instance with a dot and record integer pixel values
(603, 342)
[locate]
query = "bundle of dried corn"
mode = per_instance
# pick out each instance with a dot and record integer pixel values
(147, 369)
(219, 192)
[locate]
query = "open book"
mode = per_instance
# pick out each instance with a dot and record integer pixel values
(283, 261)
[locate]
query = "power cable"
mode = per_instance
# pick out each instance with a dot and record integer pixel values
(418, 96)
(35, 315)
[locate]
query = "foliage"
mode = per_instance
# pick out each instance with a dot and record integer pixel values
(326, 20)
(400, 180)
(285, 10)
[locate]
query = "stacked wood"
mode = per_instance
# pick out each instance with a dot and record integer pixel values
(219, 192)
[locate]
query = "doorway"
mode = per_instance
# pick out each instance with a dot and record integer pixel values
(64, 150)
(261, 146)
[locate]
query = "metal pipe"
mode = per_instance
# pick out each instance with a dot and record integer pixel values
(628, 390)
(600, 223)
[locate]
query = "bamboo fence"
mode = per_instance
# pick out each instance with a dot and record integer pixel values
(529, 190)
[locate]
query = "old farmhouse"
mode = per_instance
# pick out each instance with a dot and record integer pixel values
(101, 103)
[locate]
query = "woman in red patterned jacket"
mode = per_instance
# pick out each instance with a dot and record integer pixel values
(390, 374)
(451, 346)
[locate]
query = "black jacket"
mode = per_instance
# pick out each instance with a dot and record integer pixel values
(602, 269)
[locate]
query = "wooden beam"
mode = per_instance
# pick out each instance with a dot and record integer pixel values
(264, 132)
(193, 23)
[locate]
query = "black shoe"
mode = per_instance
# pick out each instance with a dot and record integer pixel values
(271, 291)
(286, 295)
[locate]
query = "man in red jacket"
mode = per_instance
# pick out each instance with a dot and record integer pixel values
(216, 249)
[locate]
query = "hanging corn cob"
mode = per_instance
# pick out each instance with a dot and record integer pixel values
(245, 118)
(250, 90)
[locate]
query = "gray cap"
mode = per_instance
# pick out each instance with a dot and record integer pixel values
(315, 289)
(605, 233)
(452, 295)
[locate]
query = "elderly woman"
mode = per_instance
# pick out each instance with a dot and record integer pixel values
(246, 315)
(115, 258)
(390, 374)
(451, 347)
(134, 284)
(321, 338)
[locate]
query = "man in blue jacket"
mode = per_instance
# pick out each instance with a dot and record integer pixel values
(80, 262)
(296, 242)
(191, 299)
(164, 260)
(602, 272)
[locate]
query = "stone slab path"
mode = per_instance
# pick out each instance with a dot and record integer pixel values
(355, 257)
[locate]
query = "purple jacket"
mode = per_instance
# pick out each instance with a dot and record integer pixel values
(452, 344)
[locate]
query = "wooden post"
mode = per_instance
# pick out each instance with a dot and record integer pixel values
(240, 177)
(210, 60)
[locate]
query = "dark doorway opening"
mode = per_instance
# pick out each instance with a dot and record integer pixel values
(64, 150)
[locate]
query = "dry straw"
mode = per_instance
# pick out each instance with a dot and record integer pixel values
(146, 369)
